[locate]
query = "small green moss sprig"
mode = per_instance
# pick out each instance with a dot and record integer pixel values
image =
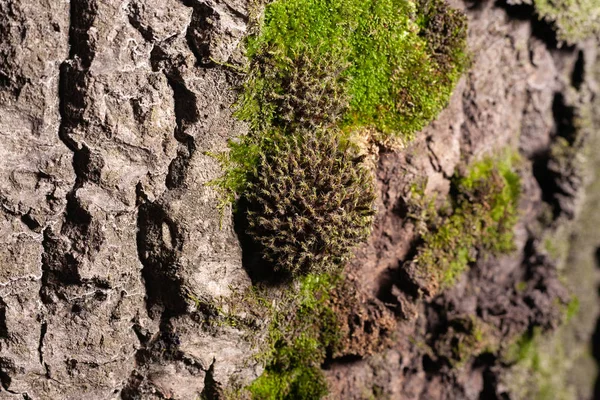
(310, 203)
(464, 338)
(300, 336)
(482, 214)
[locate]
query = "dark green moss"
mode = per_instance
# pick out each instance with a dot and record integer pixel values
(480, 218)
(312, 94)
(445, 32)
(463, 339)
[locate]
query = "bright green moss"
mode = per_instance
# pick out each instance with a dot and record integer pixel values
(376, 51)
(483, 212)
(301, 383)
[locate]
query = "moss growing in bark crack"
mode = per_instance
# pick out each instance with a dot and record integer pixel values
(300, 336)
(309, 203)
(308, 323)
(464, 338)
(539, 363)
(574, 20)
(480, 218)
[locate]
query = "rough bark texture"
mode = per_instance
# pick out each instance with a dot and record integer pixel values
(111, 241)
(108, 229)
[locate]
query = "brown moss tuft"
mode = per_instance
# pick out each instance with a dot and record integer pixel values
(310, 202)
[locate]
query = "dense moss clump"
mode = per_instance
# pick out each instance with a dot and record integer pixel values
(480, 218)
(394, 70)
(312, 94)
(310, 203)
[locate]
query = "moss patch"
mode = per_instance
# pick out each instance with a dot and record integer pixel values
(320, 73)
(464, 338)
(479, 218)
(310, 203)
(381, 58)
(574, 20)
(388, 66)
(559, 364)
(540, 363)
(300, 336)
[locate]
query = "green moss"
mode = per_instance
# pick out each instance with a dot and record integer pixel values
(538, 364)
(321, 72)
(387, 65)
(520, 286)
(375, 54)
(523, 348)
(575, 20)
(551, 248)
(444, 30)
(482, 214)
(571, 308)
(464, 339)
(299, 338)
(302, 383)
